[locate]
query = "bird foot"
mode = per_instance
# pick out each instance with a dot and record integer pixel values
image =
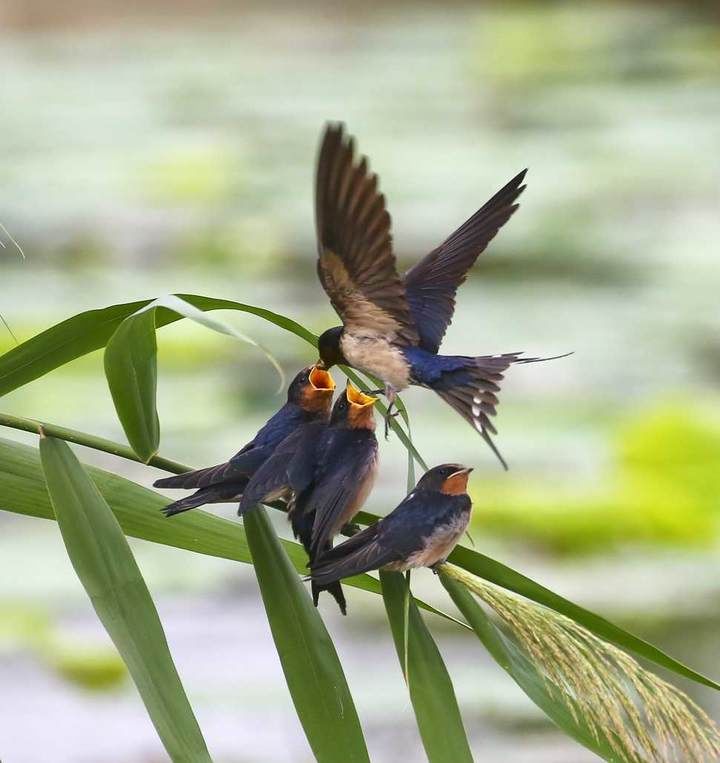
(389, 415)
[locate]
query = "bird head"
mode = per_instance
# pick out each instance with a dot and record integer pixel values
(450, 479)
(329, 348)
(354, 409)
(312, 389)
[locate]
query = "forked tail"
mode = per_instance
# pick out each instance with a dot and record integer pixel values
(473, 391)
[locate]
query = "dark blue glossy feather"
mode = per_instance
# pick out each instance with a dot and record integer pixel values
(408, 529)
(431, 284)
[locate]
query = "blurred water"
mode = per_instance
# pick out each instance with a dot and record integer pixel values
(146, 155)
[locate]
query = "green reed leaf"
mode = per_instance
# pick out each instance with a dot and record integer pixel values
(431, 690)
(138, 510)
(103, 561)
(91, 330)
(131, 369)
(131, 372)
(312, 669)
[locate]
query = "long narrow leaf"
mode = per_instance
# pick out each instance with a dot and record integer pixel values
(61, 343)
(431, 690)
(137, 509)
(506, 577)
(91, 330)
(102, 558)
(186, 310)
(479, 564)
(312, 669)
(131, 371)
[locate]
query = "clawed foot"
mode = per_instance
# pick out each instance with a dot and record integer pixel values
(436, 567)
(389, 415)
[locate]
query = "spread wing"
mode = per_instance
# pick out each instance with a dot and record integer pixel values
(356, 264)
(430, 285)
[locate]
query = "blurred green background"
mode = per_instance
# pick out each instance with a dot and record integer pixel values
(173, 150)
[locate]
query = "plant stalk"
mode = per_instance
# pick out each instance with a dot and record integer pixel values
(89, 441)
(124, 451)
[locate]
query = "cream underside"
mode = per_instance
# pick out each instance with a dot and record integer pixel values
(437, 547)
(377, 357)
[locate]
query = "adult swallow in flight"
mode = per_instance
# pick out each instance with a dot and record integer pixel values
(309, 399)
(325, 472)
(392, 326)
(420, 532)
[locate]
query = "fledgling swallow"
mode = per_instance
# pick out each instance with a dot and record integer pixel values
(420, 532)
(392, 326)
(309, 399)
(325, 472)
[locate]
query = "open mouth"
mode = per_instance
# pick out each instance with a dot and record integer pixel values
(321, 379)
(356, 397)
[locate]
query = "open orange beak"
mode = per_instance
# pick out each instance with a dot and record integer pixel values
(356, 397)
(321, 379)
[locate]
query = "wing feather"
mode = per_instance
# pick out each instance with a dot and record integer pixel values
(356, 264)
(431, 284)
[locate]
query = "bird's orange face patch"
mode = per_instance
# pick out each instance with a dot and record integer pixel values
(317, 395)
(361, 409)
(456, 484)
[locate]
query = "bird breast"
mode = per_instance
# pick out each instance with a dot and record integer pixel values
(376, 356)
(438, 545)
(366, 481)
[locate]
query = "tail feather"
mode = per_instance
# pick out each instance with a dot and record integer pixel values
(334, 589)
(188, 480)
(185, 504)
(241, 465)
(302, 523)
(472, 391)
(213, 494)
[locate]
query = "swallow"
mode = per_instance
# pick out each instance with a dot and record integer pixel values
(309, 399)
(420, 532)
(392, 326)
(325, 472)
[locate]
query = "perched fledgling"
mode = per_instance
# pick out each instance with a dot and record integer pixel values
(420, 532)
(326, 473)
(309, 399)
(392, 326)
